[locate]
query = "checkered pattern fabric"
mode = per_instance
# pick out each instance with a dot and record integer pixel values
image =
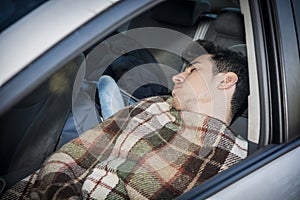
(146, 151)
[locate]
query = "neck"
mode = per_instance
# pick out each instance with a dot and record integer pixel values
(218, 109)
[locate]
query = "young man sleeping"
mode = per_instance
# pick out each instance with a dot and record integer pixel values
(158, 148)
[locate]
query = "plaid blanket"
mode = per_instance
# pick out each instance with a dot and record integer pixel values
(146, 151)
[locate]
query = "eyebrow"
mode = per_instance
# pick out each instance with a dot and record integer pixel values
(192, 63)
(195, 62)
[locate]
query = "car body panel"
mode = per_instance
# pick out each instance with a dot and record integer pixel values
(276, 180)
(46, 26)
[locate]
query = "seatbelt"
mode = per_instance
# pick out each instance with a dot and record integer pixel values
(201, 30)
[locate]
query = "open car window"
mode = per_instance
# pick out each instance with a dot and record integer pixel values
(143, 65)
(142, 55)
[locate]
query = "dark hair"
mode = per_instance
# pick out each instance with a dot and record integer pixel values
(227, 60)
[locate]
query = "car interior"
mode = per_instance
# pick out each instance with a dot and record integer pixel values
(66, 105)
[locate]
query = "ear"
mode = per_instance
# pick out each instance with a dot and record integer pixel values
(229, 79)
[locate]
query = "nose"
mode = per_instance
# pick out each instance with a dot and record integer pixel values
(178, 78)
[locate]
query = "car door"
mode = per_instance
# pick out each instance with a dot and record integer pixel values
(273, 49)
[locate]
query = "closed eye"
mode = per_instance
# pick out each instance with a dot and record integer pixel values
(193, 69)
(190, 68)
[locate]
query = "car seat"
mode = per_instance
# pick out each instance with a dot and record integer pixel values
(228, 30)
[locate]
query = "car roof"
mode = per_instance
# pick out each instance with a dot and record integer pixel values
(38, 31)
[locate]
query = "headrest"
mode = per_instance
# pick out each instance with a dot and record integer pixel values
(180, 12)
(231, 22)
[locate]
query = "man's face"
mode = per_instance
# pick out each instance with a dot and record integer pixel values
(194, 86)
